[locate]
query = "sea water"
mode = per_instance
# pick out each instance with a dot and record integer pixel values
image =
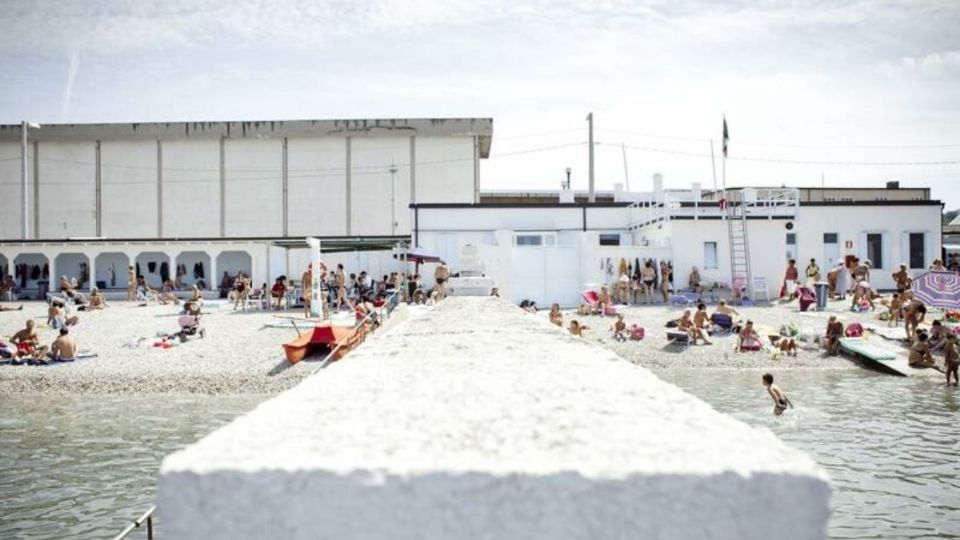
(85, 467)
(889, 444)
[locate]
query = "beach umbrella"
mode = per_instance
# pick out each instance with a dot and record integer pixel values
(418, 256)
(938, 289)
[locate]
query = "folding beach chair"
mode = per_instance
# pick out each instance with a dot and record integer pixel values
(678, 337)
(722, 322)
(592, 300)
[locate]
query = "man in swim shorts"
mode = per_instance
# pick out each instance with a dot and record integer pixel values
(951, 358)
(64, 348)
(834, 333)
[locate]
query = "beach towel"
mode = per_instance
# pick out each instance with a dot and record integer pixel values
(854, 329)
(610, 311)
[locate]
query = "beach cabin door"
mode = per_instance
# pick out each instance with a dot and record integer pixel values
(831, 251)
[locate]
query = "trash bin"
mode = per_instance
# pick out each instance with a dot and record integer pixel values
(821, 290)
(43, 287)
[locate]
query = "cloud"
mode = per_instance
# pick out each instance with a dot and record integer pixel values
(936, 64)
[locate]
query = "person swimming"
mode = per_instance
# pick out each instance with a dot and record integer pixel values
(780, 400)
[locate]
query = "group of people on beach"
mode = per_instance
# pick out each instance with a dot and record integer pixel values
(25, 346)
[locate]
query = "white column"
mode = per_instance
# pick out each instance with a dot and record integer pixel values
(54, 278)
(92, 269)
(213, 277)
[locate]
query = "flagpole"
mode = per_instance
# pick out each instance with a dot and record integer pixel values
(713, 164)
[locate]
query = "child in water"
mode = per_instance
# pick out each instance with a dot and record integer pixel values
(780, 400)
(951, 358)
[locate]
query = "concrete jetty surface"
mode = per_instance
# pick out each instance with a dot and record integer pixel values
(477, 420)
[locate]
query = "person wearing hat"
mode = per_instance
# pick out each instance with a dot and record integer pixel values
(837, 280)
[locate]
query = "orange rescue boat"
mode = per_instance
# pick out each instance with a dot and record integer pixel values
(324, 338)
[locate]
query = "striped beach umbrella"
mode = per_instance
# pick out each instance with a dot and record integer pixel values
(938, 289)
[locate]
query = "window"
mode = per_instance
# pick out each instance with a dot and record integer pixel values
(609, 239)
(917, 255)
(529, 240)
(710, 259)
(875, 250)
(831, 238)
(791, 246)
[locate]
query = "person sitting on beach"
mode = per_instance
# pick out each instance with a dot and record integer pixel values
(278, 292)
(64, 348)
(694, 280)
(619, 329)
(813, 271)
(834, 333)
(724, 309)
(196, 295)
(701, 320)
(556, 317)
(951, 359)
(938, 266)
(937, 338)
(226, 285)
(56, 315)
(166, 293)
(27, 341)
(787, 345)
(97, 301)
(6, 289)
(913, 314)
(576, 329)
(686, 324)
(748, 339)
(606, 301)
(780, 399)
(920, 356)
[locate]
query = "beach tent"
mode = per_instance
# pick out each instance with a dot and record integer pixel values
(938, 289)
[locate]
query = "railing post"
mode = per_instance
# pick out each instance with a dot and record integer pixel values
(150, 528)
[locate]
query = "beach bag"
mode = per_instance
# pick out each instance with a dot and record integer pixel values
(671, 324)
(854, 329)
(637, 332)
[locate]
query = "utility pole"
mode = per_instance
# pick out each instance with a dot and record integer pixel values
(393, 197)
(592, 196)
(626, 173)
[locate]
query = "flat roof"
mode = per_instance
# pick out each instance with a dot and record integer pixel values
(328, 244)
(260, 129)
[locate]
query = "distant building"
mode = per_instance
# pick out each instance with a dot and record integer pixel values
(545, 250)
(227, 196)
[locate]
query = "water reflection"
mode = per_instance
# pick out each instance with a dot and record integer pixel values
(84, 467)
(889, 444)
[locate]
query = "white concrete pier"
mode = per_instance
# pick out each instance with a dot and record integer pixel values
(477, 420)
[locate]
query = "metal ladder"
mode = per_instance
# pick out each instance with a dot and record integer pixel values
(740, 275)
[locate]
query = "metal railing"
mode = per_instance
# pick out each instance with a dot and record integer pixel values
(390, 304)
(146, 518)
(766, 202)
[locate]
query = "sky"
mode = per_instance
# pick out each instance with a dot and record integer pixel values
(844, 93)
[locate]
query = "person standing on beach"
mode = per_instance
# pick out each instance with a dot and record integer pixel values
(131, 284)
(306, 287)
(902, 278)
(441, 275)
(665, 281)
(951, 359)
(780, 399)
(834, 333)
(913, 314)
(790, 279)
(340, 281)
(813, 271)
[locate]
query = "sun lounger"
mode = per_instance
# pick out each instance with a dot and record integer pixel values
(678, 337)
(684, 299)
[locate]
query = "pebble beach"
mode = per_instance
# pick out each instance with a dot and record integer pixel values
(237, 354)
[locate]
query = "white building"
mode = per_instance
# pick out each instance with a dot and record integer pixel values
(225, 195)
(542, 249)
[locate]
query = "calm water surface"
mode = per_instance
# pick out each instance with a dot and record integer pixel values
(85, 467)
(889, 444)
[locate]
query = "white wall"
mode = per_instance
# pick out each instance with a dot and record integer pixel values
(128, 189)
(254, 187)
(371, 185)
(316, 183)
(189, 259)
(494, 218)
(10, 220)
(68, 196)
(852, 221)
(237, 261)
(30, 259)
(191, 188)
(444, 169)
